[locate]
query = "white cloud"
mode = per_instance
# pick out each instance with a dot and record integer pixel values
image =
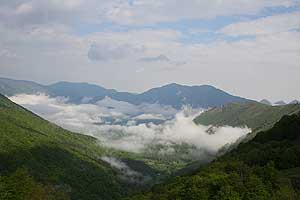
(150, 116)
(74, 117)
(38, 50)
(86, 118)
(35, 12)
(126, 172)
(263, 26)
(121, 106)
(24, 8)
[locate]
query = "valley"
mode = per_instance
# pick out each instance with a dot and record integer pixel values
(149, 100)
(120, 146)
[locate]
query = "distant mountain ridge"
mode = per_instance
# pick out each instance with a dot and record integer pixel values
(11, 87)
(77, 91)
(174, 95)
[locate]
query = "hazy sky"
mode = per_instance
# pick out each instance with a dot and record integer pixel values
(248, 48)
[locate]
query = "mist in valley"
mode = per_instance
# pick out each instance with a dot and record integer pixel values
(150, 129)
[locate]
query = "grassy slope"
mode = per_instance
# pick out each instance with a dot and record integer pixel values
(54, 156)
(256, 116)
(266, 168)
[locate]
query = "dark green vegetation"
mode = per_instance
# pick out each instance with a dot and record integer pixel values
(172, 95)
(39, 160)
(266, 168)
(255, 115)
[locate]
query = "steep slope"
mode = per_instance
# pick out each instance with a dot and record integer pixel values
(11, 87)
(53, 163)
(256, 116)
(266, 168)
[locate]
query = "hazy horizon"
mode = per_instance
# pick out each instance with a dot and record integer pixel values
(141, 91)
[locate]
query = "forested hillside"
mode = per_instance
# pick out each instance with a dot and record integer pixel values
(266, 168)
(254, 115)
(39, 160)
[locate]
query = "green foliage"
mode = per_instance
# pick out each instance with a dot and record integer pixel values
(54, 159)
(266, 168)
(255, 115)
(39, 160)
(21, 186)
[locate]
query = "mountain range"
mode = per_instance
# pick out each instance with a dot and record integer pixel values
(40, 160)
(174, 95)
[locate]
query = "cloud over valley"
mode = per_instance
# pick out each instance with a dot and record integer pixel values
(147, 128)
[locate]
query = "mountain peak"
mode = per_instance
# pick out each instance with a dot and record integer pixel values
(173, 94)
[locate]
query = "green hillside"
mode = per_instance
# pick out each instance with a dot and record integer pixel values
(266, 168)
(39, 160)
(255, 115)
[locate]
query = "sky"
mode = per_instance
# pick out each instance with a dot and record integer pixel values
(248, 48)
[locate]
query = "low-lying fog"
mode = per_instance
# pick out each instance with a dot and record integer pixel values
(133, 128)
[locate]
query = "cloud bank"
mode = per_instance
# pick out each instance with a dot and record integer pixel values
(119, 127)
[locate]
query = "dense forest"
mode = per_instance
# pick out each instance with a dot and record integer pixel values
(267, 167)
(39, 160)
